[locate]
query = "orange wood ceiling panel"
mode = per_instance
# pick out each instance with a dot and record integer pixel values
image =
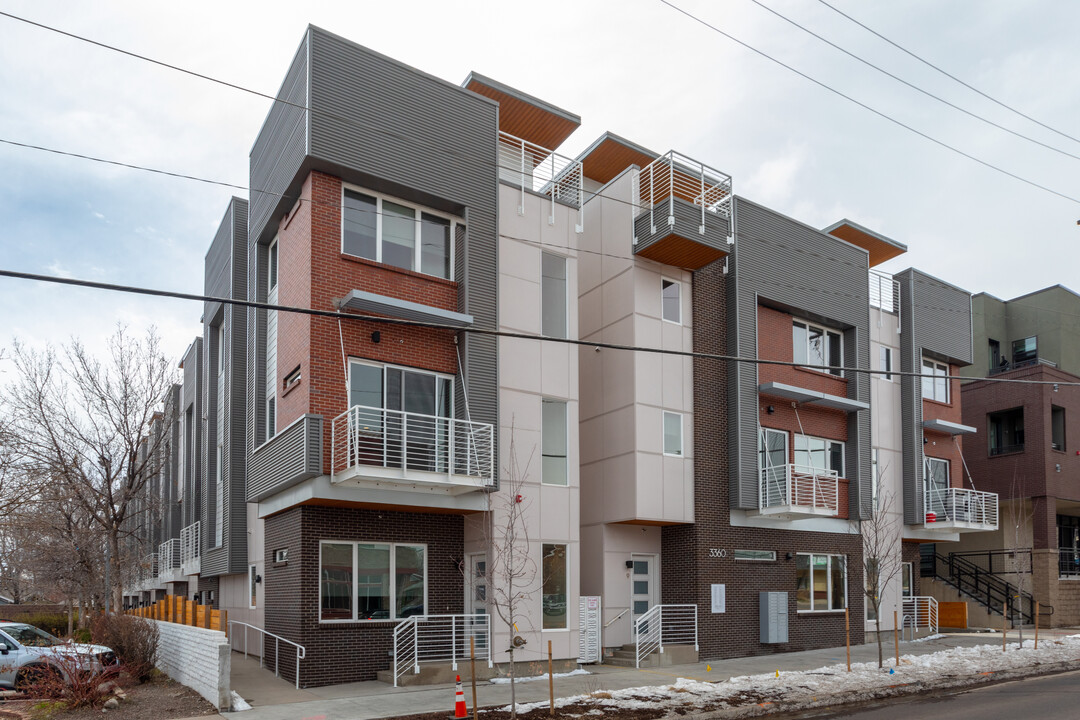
(525, 120)
(610, 158)
(879, 250)
(680, 252)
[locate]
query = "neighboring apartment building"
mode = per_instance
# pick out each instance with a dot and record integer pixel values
(345, 483)
(1026, 444)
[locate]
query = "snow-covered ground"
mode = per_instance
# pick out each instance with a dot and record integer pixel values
(534, 678)
(948, 668)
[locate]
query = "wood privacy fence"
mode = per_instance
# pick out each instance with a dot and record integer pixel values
(180, 610)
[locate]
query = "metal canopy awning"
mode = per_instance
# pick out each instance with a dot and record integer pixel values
(368, 302)
(803, 395)
(949, 428)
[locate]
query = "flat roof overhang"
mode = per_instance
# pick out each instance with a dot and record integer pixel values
(368, 302)
(525, 116)
(806, 396)
(879, 247)
(610, 154)
(949, 428)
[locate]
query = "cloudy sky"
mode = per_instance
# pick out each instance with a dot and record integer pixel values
(635, 67)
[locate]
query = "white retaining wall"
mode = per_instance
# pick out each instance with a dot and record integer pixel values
(198, 658)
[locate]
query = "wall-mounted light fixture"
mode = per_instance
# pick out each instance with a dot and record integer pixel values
(376, 337)
(770, 409)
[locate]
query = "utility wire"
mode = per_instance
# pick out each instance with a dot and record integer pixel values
(929, 64)
(338, 315)
(458, 155)
(927, 93)
(863, 105)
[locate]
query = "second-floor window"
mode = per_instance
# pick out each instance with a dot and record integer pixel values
(671, 300)
(1057, 427)
(935, 381)
(816, 345)
(673, 442)
(1006, 431)
(397, 233)
(553, 442)
(819, 453)
(1025, 350)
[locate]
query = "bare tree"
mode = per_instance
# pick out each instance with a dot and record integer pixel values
(1016, 536)
(882, 560)
(81, 422)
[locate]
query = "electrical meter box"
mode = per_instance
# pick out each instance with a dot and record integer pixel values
(774, 617)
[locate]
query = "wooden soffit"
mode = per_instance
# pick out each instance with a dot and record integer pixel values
(524, 116)
(878, 246)
(610, 154)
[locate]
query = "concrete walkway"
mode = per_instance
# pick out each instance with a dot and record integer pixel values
(277, 699)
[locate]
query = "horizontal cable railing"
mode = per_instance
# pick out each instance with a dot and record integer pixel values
(800, 485)
(410, 441)
(674, 175)
(922, 610)
(440, 638)
(264, 638)
(961, 505)
(884, 292)
(664, 625)
(190, 537)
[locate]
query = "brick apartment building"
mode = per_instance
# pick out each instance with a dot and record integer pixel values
(344, 483)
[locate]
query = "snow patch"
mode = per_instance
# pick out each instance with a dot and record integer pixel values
(534, 678)
(239, 704)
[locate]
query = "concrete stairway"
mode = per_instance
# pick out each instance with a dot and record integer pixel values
(672, 655)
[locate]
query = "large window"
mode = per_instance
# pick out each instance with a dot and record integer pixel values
(1057, 427)
(820, 582)
(1006, 431)
(553, 442)
(554, 586)
(371, 581)
(552, 295)
(671, 300)
(673, 433)
(935, 381)
(1025, 350)
(397, 233)
(815, 345)
(819, 453)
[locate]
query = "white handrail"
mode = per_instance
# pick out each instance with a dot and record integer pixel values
(923, 611)
(946, 506)
(664, 625)
(440, 638)
(799, 485)
(301, 652)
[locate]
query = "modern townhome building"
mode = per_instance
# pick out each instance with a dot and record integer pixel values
(604, 394)
(1026, 449)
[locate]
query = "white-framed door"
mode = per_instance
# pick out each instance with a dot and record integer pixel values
(644, 584)
(476, 583)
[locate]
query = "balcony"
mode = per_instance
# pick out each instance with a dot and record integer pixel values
(169, 561)
(191, 549)
(379, 447)
(684, 212)
(960, 510)
(536, 169)
(795, 491)
(1006, 366)
(884, 292)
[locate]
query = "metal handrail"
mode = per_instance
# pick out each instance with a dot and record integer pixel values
(369, 436)
(190, 538)
(799, 485)
(923, 610)
(664, 625)
(884, 292)
(169, 556)
(988, 589)
(537, 169)
(674, 175)
(301, 651)
(951, 505)
(440, 638)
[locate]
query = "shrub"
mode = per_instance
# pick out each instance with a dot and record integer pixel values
(82, 635)
(133, 639)
(66, 682)
(54, 623)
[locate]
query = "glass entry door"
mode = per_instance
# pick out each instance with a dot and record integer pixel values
(643, 591)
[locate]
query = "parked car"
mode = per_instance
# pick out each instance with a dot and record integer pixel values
(27, 651)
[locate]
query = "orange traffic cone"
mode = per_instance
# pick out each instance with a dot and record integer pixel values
(460, 710)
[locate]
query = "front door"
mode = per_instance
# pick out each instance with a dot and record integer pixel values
(476, 598)
(644, 592)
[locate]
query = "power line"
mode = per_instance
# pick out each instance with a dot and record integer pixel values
(338, 315)
(912, 85)
(863, 105)
(450, 152)
(929, 64)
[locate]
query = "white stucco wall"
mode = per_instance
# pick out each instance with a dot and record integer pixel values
(198, 658)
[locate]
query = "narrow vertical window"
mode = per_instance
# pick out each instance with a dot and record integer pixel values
(554, 587)
(671, 300)
(673, 441)
(271, 340)
(435, 245)
(398, 235)
(219, 455)
(1057, 427)
(336, 582)
(553, 442)
(253, 584)
(553, 295)
(359, 233)
(886, 363)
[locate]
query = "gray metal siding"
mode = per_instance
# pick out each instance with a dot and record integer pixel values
(687, 225)
(193, 396)
(783, 263)
(935, 320)
(281, 145)
(292, 456)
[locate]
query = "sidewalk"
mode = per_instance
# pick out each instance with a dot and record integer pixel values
(276, 699)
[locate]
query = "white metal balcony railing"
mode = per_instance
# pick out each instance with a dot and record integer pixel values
(537, 169)
(190, 548)
(664, 625)
(169, 556)
(440, 638)
(799, 488)
(410, 442)
(884, 292)
(676, 176)
(920, 611)
(148, 568)
(959, 508)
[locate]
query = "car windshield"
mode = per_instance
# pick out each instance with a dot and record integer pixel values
(30, 636)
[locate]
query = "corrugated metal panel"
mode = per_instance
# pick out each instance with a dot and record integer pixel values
(292, 456)
(281, 145)
(687, 225)
(783, 263)
(193, 397)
